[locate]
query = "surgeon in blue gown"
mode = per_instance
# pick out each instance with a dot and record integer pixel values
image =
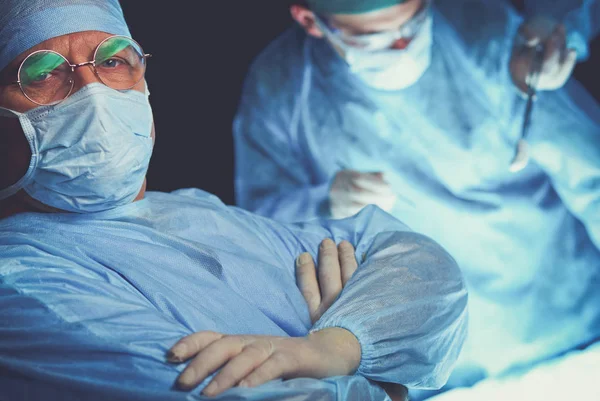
(418, 107)
(111, 293)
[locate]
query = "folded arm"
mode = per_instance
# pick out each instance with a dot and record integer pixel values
(66, 337)
(406, 302)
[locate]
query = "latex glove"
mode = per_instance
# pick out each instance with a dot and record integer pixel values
(249, 361)
(321, 289)
(559, 61)
(352, 190)
(337, 264)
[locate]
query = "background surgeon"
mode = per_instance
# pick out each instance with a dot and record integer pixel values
(418, 107)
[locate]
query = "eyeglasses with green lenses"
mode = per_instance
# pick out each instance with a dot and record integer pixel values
(46, 77)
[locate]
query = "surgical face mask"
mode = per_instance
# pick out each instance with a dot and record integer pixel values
(89, 153)
(390, 69)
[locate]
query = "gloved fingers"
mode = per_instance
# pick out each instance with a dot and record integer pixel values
(348, 261)
(566, 54)
(354, 181)
(362, 197)
(561, 32)
(564, 72)
(556, 47)
(566, 66)
(535, 31)
(374, 188)
(375, 176)
(374, 184)
(191, 345)
(347, 195)
(569, 62)
(560, 61)
(387, 203)
(528, 35)
(329, 272)
(358, 197)
(365, 198)
(306, 279)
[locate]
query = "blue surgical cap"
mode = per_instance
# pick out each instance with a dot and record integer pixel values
(327, 7)
(26, 23)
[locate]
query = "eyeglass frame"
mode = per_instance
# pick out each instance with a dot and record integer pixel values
(397, 34)
(92, 62)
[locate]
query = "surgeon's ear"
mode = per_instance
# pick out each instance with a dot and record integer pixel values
(306, 19)
(15, 153)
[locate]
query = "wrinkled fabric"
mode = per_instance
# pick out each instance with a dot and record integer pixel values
(527, 243)
(91, 163)
(24, 24)
(581, 18)
(327, 7)
(90, 303)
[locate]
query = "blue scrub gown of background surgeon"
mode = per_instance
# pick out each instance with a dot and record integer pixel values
(90, 303)
(527, 242)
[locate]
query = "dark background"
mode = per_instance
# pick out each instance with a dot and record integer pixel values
(202, 51)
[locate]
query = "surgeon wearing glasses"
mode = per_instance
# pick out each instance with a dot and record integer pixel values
(109, 292)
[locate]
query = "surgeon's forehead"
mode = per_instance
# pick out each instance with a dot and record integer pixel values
(76, 47)
(376, 21)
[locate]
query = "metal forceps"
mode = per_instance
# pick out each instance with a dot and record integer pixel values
(521, 158)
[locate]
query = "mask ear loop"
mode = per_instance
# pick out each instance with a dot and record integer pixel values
(8, 113)
(338, 45)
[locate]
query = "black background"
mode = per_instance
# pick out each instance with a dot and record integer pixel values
(202, 51)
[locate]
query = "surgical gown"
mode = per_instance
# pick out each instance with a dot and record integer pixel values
(527, 243)
(90, 303)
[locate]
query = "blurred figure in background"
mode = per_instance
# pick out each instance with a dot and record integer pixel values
(419, 107)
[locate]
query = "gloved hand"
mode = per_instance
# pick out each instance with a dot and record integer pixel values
(252, 360)
(321, 287)
(352, 190)
(558, 61)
